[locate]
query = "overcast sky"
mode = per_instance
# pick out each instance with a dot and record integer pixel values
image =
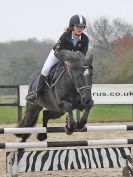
(46, 19)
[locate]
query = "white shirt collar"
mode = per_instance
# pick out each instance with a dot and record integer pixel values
(77, 37)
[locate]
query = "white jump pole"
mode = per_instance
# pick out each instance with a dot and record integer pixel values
(26, 130)
(65, 143)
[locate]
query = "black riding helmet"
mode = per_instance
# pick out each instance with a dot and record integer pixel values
(77, 20)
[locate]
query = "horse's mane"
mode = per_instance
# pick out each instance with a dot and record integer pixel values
(72, 56)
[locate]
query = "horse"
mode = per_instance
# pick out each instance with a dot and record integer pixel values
(70, 90)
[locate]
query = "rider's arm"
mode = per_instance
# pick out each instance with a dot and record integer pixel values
(60, 44)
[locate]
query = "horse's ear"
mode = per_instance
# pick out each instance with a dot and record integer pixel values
(89, 60)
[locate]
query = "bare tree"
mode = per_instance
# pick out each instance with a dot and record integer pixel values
(121, 29)
(103, 33)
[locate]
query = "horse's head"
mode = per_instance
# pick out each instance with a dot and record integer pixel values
(80, 73)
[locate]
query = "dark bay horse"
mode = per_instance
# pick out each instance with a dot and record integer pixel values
(71, 90)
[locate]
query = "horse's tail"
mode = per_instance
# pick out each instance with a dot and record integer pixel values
(30, 119)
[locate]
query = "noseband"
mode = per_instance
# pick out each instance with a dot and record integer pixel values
(81, 90)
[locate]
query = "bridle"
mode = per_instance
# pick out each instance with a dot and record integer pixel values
(82, 89)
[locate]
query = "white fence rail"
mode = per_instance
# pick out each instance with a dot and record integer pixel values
(101, 93)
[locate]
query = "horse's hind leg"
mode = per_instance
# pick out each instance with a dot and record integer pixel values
(29, 120)
(47, 115)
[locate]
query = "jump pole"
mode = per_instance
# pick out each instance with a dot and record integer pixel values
(27, 130)
(65, 143)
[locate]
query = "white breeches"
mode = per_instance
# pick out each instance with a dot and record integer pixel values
(50, 61)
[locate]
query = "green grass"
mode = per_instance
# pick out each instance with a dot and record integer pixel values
(98, 113)
(8, 114)
(111, 113)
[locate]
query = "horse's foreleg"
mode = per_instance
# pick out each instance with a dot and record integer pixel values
(81, 123)
(70, 123)
(66, 106)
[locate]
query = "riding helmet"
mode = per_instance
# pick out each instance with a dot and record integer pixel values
(77, 20)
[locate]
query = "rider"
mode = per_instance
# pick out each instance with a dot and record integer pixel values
(72, 39)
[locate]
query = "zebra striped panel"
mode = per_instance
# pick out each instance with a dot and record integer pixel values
(67, 159)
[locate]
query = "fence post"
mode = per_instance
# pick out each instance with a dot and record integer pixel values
(19, 107)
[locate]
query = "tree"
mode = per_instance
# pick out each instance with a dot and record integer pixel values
(123, 44)
(12, 51)
(103, 33)
(21, 70)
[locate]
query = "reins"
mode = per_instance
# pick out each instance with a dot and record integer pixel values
(80, 90)
(61, 73)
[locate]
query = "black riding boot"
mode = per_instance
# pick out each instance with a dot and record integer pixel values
(33, 96)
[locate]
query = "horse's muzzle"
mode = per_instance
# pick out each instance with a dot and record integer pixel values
(86, 98)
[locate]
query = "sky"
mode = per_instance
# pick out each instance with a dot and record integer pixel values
(46, 19)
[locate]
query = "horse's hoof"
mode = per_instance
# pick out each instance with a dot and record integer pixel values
(42, 136)
(18, 135)
(67, 131)
(70, 130)
(81, 124)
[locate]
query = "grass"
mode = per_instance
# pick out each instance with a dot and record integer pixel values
(111, 113)
(98, 113)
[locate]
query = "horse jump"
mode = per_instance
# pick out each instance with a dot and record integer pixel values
(67, 159)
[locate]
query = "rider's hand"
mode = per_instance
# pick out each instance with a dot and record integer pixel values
(67, 62)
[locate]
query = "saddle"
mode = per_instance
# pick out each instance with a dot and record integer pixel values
(55, 72)
(53, 76)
